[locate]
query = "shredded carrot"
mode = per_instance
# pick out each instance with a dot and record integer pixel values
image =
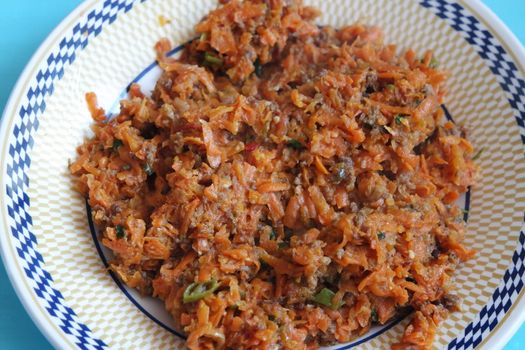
(320, 166)
(285, 185)
(183, 264)
(269, 186)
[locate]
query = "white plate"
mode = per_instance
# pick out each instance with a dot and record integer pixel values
(58, 269)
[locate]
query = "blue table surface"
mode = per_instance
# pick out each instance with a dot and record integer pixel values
(23, 26)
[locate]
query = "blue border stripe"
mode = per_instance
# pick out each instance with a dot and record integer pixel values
(27, 123)
(18, 163)
(512, 82)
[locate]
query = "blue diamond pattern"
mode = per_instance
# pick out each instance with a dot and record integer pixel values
(91, 26)
(513, 84)
(19, 162)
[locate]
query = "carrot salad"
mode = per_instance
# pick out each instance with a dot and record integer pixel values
(286, 185)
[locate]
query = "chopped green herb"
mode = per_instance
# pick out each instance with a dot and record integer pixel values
(264, 264)
(283, 245)
(148, 169)
(197, 291)
(391, 87)
(433, 63)
(258, 68)
(293, 143)
(117, 144)
(121, 233)
(126, 167)
(477, 155)
(325, 297)
(399, 119)
(288, 233)
(273, 234)
(381, 235)
(373, 316)
(233, 306)
(211, 59)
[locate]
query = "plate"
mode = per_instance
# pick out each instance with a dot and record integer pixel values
(48, 243)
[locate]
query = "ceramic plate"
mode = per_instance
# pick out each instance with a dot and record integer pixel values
(48, 243)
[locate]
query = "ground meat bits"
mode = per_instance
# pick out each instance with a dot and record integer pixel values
(286, 185)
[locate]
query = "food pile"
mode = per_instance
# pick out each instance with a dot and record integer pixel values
(286, 185)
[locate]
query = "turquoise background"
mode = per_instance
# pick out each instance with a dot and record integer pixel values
(23, 26)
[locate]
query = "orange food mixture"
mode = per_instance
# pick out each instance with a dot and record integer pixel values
(286, 185)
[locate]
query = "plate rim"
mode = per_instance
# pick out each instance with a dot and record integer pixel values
(515, 318)
(49, 329)
(497, 338)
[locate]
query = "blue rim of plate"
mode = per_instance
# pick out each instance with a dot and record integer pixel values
(26, 124)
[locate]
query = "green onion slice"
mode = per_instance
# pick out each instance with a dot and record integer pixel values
(211, 59)
(325, 297)
(273, 234)
(117, 144)
(197, 291)
(293, 143)
(258, 68)
(374, 317)
(399, 119)
(121, 233)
